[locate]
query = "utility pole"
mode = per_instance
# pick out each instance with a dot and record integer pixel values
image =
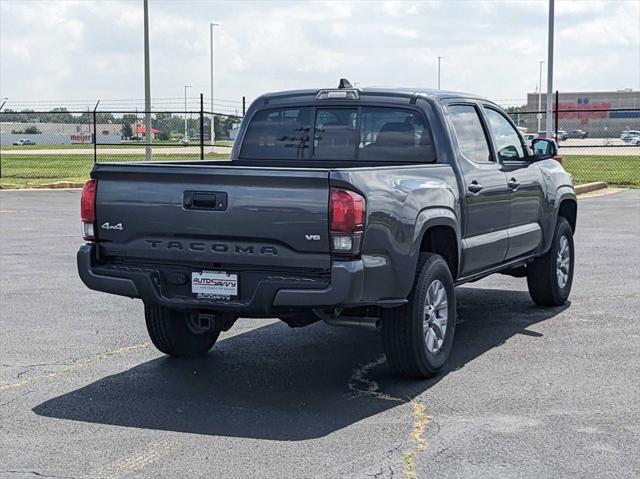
(213, 117)
(539, 114)
(186, 137)
(550, 72)
(439, 59)
(147, 85)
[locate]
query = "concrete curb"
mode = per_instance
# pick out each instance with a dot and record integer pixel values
(587, 187)
(58, 185)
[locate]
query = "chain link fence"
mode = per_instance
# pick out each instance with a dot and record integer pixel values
(62, 145)
(595, 144)
(40, 147)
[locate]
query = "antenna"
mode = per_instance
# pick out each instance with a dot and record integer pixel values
(344, 83)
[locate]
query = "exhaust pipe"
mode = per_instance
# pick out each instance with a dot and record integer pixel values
(368, 323)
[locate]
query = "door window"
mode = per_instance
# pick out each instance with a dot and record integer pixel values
(507, 139)
(472, 140)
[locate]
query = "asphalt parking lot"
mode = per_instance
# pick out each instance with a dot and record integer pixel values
(529, 392)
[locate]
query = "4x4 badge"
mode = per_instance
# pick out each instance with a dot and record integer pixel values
(107, 226)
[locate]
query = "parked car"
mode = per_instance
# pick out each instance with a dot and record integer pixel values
(357, 207)
(529, 137)
(23, 142)
(581, 134)
(184, 141)
(635, 140)
(627, 135)
(560, 136)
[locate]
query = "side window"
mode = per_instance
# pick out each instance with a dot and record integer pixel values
(394, 134)
(468, 129)
(507, 139)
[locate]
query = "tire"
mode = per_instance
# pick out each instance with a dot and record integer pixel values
(412, 344)
(171, 334)
(550, 277)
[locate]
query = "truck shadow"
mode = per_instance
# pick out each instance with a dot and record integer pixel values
(282, 384)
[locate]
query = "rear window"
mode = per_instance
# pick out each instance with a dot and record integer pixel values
(346, 133)
(283, 133)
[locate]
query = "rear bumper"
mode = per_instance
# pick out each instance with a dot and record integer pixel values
(344, 289)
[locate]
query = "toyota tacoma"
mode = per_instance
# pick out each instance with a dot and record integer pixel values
(358, 207)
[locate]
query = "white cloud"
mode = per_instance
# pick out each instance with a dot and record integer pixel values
(93, 49)
(400, 31)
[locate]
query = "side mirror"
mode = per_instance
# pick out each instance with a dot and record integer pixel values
(544, 149)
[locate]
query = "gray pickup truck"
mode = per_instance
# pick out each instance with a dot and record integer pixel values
(358, 207)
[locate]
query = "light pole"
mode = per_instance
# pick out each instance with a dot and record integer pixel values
(147, 85)
(539, 114)
(439, 59)
(550, 72)
(213, 117)
(186, 138)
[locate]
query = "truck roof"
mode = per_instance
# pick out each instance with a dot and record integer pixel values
(376, 91)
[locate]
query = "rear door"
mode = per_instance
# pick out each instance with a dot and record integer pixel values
(524, 180)
(486, 195)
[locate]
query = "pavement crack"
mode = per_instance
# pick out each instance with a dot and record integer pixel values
(19, 396)
(360, 384)
(377, 474)
(84, 363)
(35, 473)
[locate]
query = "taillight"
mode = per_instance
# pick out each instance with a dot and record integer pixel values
(88, 209)
(347, 222)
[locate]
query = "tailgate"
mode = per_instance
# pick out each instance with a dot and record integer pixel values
(275, 218)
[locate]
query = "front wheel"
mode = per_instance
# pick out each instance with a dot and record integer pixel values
(171, 332)
(550, 277)
(418, 337)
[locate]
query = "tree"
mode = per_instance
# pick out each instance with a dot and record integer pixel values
(32, 130)
(224, 125)
(59, 115)
(513, 111)
(127, 131)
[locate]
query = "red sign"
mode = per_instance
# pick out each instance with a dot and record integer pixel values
(82, 138)
(583, 111)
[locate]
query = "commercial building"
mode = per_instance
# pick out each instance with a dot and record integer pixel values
(601, 114)
(59, 133)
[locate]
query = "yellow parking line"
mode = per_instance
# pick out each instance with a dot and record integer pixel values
(136, 461)
(75, 366)
(417, 436)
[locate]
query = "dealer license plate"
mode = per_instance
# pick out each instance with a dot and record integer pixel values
(214, 284)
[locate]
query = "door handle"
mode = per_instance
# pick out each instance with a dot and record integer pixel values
(475, 187)
(513, 183)
(205, 200)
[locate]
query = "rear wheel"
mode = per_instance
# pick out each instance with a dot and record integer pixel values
(418, 337)
(550, 277)
(172, 333)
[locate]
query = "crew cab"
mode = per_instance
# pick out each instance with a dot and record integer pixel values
(359, 207)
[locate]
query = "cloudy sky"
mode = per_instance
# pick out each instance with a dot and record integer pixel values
(78, 51)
